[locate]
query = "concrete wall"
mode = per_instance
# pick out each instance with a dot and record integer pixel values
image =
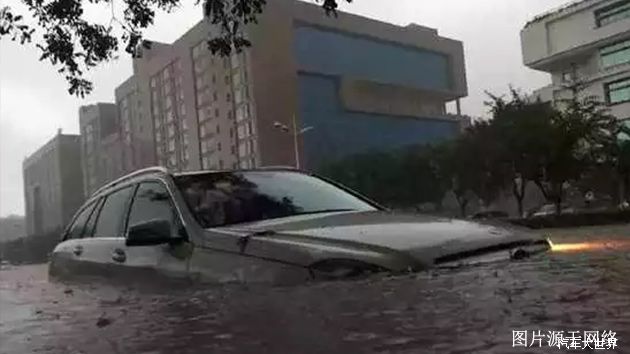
(569, 41)
(52, 184)
(71, 177)
(573, 30)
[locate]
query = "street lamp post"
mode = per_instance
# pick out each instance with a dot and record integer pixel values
(296, 133)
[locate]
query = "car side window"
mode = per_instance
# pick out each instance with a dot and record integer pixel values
(78, 226)
(111, 216)
(91, 223)
(153, 202)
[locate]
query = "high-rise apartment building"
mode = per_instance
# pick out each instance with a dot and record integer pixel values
(585, 42)
(101, 148)
(356, 83)
(53, 184)
(138, 149)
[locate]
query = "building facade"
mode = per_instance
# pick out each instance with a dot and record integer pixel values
(101, 145)
(585, 42)
(359, 84)
(53, 184)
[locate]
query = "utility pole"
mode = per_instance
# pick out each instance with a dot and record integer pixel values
(296, 134)
(295, 144)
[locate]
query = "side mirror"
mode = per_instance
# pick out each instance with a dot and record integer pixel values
(151, 233)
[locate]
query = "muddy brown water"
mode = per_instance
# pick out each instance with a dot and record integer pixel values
(444, 311)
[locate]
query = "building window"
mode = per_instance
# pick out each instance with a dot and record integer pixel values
(218, 146)
(618, 91)
(171, 145)
(616, 54)
(215, 96)
(218, 129)
(242, 151)
(613, 13)
(216, 112)
(236, 79)
(240, 114)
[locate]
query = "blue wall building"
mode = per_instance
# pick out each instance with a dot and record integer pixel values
(326, 57)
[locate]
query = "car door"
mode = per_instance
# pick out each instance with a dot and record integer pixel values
(67, 258)
(104, 232)
(152, 201)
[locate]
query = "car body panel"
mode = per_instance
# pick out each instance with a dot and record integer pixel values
(390, 240)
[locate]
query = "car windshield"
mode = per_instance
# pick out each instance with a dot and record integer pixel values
(227, 198)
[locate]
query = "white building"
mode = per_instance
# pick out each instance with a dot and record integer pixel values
(587, 41)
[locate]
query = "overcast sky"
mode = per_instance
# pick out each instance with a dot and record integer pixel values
(34, 102)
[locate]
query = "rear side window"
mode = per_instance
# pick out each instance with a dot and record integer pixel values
(110, 218)
(78, 226)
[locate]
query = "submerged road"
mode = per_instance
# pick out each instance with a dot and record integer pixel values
(583, 286)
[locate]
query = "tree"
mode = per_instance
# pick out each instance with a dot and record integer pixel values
(75, 44)
(523, 131)
(454, 168)
(582, 136)
(403, 177)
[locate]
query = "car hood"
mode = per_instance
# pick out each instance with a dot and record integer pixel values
(428, 239)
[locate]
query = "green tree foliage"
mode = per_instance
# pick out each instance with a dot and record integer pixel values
(74, 44)
(522, 131)
(400, 178)
(524, 141)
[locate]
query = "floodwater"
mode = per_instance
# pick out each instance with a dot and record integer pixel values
(585, 285)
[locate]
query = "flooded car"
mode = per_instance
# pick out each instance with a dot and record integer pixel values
(278, 226)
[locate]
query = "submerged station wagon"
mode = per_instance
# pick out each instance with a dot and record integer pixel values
(275, 225)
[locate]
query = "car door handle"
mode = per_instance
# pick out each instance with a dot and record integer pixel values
(78, 250)
(119, 255)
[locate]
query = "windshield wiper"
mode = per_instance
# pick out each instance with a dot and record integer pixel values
(322, 211)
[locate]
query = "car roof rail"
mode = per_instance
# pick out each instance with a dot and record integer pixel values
(278, 168)
(144, 171)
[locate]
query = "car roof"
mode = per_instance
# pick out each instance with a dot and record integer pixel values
(162, 171)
